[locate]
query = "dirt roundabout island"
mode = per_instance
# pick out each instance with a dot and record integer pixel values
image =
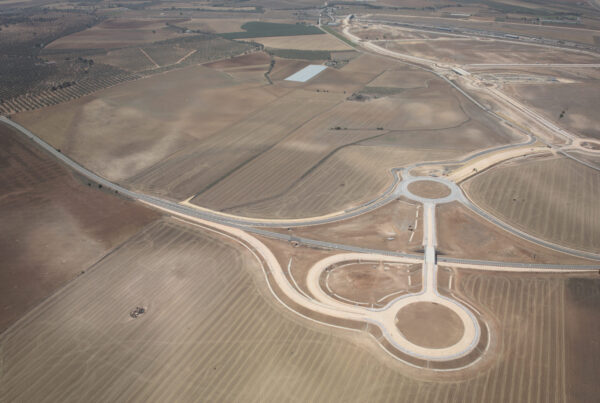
(369, 283)
(430, 325)
(429, 189)
(590, 145)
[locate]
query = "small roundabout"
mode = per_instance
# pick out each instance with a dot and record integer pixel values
(428, 189)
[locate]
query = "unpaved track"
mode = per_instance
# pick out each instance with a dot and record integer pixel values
(156, 65)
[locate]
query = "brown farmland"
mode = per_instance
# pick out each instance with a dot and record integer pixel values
(347, 179)
(555, 199)
(572, 106)
(487, 51)
(209, 134)
(54, 226)
(464, 234)
(209, 334)
(159, 115)
(117, 33)
(342, 157)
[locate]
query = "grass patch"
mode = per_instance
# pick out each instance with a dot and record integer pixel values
(300, 54)
(257, 29)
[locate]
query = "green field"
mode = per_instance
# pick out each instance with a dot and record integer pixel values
(300, 54)
(257, 29)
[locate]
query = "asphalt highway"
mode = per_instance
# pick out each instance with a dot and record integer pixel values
(255, 226)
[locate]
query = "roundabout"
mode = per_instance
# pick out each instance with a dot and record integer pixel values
(428, 189)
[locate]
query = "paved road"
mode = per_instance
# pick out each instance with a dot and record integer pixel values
(563, 65)
(568, 136)
(385, 317)
(255, 227)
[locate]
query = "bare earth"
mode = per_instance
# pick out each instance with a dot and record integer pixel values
(429, 324)
(429, 189)
(54, 226)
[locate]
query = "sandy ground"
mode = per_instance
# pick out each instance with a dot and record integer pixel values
(53, 225)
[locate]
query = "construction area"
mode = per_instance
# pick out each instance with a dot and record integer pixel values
(266, 201)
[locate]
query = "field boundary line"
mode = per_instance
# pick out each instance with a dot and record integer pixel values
(149, 58)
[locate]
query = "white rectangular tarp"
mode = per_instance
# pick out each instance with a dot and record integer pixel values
(306, 73)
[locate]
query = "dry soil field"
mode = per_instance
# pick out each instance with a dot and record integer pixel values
(554, 32)
(124, 130)
(469, 51)
(54, 226)
(395, 226)
(577, 102)
(555, 199)
(464, 234)
(103, 299)
(331, 157)
(118, 33)
(205, 333)
(347, 179)
(242, 146)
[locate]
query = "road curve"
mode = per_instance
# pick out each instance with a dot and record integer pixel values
(249, 226)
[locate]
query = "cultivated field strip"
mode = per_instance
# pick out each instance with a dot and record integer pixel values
(200, 167)
(531, 359)
(278, 170)
(555, 199)
(350, 177)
